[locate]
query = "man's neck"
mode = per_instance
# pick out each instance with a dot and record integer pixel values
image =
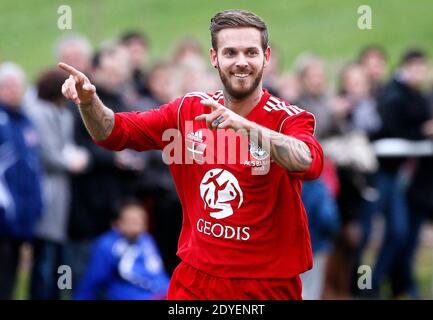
(245, 105)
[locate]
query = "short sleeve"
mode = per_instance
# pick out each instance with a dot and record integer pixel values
(142, 130)
(301, 126)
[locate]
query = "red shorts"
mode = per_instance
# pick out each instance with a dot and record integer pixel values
(189, 283)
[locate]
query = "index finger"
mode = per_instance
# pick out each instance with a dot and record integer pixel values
(69, 69)
(211, 104)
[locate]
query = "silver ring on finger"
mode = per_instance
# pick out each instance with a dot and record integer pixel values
(217, 121)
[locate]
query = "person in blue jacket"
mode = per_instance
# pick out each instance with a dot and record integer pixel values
(125, 263)
(323, 223)
(20, 174)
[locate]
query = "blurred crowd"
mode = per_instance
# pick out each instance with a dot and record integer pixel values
(115, 218)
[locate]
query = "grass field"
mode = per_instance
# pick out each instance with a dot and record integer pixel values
(28, 29)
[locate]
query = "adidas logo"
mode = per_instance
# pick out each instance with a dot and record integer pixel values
(196, 136)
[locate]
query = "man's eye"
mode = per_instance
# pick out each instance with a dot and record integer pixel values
(230, 53)
(252, 53)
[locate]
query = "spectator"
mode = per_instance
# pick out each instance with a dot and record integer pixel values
(311, 72)
(60, 157)
(125, 262)
(356, 162)
(162, 86)
(191, 66)
(189, 53)
(20, 192)
(314, 97)
(166, 208)
(75, 49)
(356, 90)
(289, 87)
(71, 47)
(404, 110)
(359, 188)
(323, 224)
(373, 59)
(137, 45)
(114, 175)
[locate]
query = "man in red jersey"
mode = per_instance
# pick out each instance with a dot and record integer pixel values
(245, 232)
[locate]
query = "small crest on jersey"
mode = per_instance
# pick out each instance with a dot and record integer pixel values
(257, 152)
(195, 146)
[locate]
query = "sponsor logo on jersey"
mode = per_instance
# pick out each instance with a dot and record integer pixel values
(219, 230)
(219, 190)
(222, 194)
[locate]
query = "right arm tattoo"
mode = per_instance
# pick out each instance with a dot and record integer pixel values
(289, 152)
(98, 119)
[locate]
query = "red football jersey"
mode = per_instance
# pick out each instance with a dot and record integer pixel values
(243, 215)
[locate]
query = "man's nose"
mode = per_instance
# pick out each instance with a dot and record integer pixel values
(242, 61)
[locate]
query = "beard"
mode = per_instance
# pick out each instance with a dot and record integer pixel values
(244, 91)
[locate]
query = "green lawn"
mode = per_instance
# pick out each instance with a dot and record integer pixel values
(28, 29)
